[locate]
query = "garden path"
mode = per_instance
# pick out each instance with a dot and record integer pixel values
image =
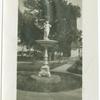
(62, 68)
(65, 67)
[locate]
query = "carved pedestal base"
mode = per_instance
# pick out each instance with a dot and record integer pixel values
(45, 72)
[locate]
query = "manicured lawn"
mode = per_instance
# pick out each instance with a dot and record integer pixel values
(29, 89)
(36, 65)
(68, 82)
(71, 95)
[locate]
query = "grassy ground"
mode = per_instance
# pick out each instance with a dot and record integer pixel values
(71, 95)
(25, 70)
(64, 95)
(36, 65)
(67, 82)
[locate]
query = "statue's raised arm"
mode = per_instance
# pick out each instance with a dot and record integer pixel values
(46, 30)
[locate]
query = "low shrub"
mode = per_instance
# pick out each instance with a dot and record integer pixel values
(62, 82)
(76, 67)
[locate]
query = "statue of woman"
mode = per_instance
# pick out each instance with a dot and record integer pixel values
(46, 30)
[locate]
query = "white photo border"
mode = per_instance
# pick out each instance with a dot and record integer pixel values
(90, 50)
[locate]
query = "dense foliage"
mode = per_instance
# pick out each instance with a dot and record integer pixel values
(61, 15)
(76, 67)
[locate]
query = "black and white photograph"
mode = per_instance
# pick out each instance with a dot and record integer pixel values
(49, 50)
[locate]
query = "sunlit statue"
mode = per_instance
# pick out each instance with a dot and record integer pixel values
(46, 30)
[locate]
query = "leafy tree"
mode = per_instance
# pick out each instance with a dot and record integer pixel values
(61, 15)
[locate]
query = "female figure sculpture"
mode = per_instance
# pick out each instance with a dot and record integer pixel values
(46, 30)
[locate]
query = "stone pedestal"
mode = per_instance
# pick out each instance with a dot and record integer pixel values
(45, 72)
(46, 43)
(54, 79)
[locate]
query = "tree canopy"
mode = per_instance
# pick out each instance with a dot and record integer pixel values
(62, 17)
